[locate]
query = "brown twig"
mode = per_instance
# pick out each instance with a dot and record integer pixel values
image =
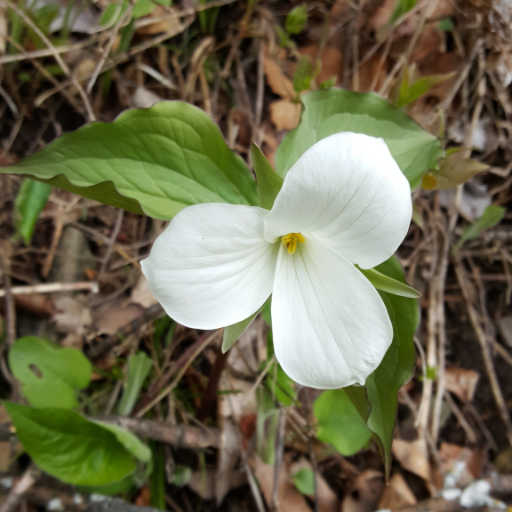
(28, 479)
(51, 288)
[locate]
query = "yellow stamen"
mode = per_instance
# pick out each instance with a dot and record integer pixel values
(290, 240)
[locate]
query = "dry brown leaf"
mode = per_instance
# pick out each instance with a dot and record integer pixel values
(327, 499)
(397, 494)
(171, 25)
(111, 316)
(461, 382)
(289, 498)
(141, 294)
(276, 79)
(364, 493)
(144, 98)
(284, 114)
(332, 63)
(413, 456)
(463, 465)
(203, 482)
(73, 314)
(241, 399)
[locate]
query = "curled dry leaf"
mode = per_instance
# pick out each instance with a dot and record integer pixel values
(364, 493)
(203, 482)
(397, 494)
(276, 79)
(413, 456)
(141, 294)
(461, 382)
(171, 25)
(284, 114)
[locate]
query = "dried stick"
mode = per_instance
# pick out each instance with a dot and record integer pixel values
(26, 482)
(279, 459)
(56, 55)
(51, 288)
(484, 345)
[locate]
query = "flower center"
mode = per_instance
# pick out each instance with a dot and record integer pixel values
(290, 240)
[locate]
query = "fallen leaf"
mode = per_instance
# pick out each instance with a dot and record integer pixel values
(276, 79)
(289, 498)
(461, 382)
(364, 493)
(413, 456)
(460, 465)
(284, 114)
(111, 316)
(331, 63)
(141, 294)
(397, 494)
(73, 314)
(144, 98)
(171, 25)
(203, 482)
(505, 329)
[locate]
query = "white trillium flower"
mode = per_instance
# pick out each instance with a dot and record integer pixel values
(344, 202)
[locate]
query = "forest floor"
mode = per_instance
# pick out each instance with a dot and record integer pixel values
(237, 61)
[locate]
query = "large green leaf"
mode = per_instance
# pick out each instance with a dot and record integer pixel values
(331, 111)
(339, 422)
(50, 375)
(69, 447)
(138, 369)
(157, 160)
(378, 403)
(30, 201)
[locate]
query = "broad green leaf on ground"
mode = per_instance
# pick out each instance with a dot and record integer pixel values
(157, 161)
(138, 369)
(132, 443)
(50, 375)
(334, 110)
(304, 480)
(296, 19)
(388, 284)
(69, 447)
(491, 216)
(30, 201)
(379, 404)
(268, 181)
(339, 422)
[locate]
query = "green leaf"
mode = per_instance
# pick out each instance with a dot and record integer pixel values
(118, 487)
(446, 25)
(420, 87)
(182, 476)
(30, 201)
(303, 75)
(379, 404)
(327, 84)
(113, 12)
(69, 447)
(157, 478)
(304, 480)
(388, 284)
(50, 375)
(336, 110)
(401, 7)
(132, 443)
(157, 160)
(280, 385)
(339, 422)
(491, 216)
(233, 332)
(138, 369)
(145, 7)
(268, 181)
(296, 19)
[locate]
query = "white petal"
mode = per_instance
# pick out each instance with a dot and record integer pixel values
(212, 267)
(348, 190)
(331, 328)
